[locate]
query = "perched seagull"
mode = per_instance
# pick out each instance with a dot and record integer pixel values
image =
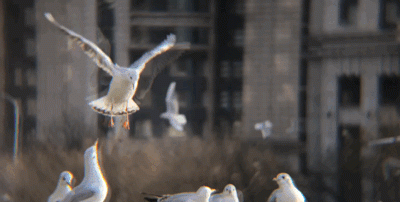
(123, 86)
(265, 127)
(172, 114)
(64, 186)
(286, 192)
(228, 195)
(201, 195)
(93, 187)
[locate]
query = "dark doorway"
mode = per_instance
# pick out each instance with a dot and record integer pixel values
(349, 163)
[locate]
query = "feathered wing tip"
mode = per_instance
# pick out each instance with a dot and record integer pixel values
(170, 92)
(49, 17)
(104, 106)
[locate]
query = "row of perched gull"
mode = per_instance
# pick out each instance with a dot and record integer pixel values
(94, 188)
(119, 102)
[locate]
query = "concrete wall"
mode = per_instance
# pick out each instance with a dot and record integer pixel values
(271, 64)
(65, 77)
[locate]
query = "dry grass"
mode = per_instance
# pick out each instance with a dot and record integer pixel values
(155, 166)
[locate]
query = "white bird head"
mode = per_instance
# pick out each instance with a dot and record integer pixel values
(205, 191)
(133, 76)
(91, 153)
(283, 179)
(66, 178)
(230, 189)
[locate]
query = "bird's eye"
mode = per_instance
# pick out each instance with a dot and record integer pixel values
(283, 177)
(131, 77)
(64, 178)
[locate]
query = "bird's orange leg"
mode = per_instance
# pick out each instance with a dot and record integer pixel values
(111, 121)
(126, 123)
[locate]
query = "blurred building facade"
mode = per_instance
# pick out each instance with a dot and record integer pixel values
(352, 62)
(325, 73)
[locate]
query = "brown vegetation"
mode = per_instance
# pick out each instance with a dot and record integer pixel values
(167, 165)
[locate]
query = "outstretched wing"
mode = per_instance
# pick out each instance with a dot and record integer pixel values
(157, 64)
(89, 48)
(102, 42)
(172, 100)
(164, 46)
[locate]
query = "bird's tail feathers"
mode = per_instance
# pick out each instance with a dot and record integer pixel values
(105, 106)
(181, 119)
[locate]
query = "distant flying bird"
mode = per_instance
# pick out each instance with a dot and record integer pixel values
(265, 127)
(384, 141)
(228, 195)
(286, 192)
(64, 186)
(201, 195)
(172, 114)
(123, 86)
(93, 187)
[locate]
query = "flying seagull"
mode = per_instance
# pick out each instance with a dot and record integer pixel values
(201, 195)
(64, 186)
(265, 127)
(123, 86)
(287, 191)
(93, 186)
(172, 114)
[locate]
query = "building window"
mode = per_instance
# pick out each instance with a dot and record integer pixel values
(170, 5)
(225, 69)
(237, 69)
(348, 12)
(225, 100)
(237, 103)
(389, 87)
(238, 37)
(239, 7)
(349, 91)
(390, 14)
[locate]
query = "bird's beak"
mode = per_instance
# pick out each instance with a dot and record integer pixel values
(275, 179)
(213, 190)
